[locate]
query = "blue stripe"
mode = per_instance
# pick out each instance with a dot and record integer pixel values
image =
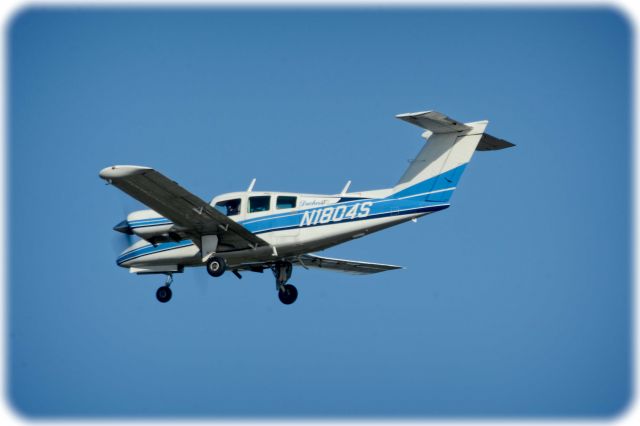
(345, 199)
(445, 180)
(149, 222)
(424, 209)
(155, 219)
(150, 225)
(151, 249)
(394, 211)
(410, 200)
(379, 208)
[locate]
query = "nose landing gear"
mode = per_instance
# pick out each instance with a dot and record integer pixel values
(287, 294)
(164, 293)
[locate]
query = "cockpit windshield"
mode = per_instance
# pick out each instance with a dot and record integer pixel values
(229, 207)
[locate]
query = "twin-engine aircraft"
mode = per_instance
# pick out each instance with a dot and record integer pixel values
(259, 230)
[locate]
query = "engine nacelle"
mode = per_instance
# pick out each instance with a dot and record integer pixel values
(147, 224)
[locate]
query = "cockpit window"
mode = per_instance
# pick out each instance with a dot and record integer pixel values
(259, 204)
(285, 202)
(229, 207)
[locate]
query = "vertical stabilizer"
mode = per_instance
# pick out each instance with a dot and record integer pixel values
(435, 172)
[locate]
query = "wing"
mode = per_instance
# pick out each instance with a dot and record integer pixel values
(192, 216)
(341, 265)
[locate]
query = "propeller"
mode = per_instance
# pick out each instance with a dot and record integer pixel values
(203, 281)
(124, 236)
(120, 242)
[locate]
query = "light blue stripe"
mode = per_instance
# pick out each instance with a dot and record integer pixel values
(151, 249)
(420, 195)
(143, 222)
(399, 208)
(442, 181)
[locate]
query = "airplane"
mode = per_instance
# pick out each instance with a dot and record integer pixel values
(255, 231)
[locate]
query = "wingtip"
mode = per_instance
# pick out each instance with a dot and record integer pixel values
(412, 115)
(115, 172)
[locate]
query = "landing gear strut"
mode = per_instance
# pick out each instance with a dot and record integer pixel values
(287, 293)
(164, 293)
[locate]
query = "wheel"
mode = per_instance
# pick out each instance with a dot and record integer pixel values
(164, 294)
(289, 295)
(216, 266)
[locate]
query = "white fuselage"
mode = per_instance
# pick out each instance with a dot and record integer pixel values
(292, 224)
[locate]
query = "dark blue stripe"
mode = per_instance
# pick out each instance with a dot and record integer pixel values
(147, 222)
(151, 249)
(371, 216)
(345, 199)
(150, 225)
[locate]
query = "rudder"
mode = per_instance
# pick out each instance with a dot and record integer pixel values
(436, 170)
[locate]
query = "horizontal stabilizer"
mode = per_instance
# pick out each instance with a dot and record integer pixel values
(491, 143)
(341, 265)
(433, 121)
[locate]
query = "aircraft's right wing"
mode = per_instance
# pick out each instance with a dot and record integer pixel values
(193, 216)
(342, 265)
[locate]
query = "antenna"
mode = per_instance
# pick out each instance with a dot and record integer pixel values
(346, 188)
(253, 182)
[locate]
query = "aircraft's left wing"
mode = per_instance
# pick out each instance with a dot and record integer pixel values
(341, 265)
(191, 215)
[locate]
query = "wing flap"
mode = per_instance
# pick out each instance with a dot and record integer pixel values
(343, 265)
(189, 212)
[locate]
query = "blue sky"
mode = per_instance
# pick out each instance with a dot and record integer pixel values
(516, 301)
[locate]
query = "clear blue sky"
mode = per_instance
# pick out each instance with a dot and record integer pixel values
(515, 302)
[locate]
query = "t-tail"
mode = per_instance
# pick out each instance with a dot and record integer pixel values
(437, 169)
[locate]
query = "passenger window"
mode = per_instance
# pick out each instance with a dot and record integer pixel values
(259, 204)
(285, 202)
(229, 207)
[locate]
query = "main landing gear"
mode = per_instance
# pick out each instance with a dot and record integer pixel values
(164, 293)
(287, 293)
(216, 266)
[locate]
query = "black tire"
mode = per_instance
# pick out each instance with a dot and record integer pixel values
(164, 294)
(289, 295)
(216, 266)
